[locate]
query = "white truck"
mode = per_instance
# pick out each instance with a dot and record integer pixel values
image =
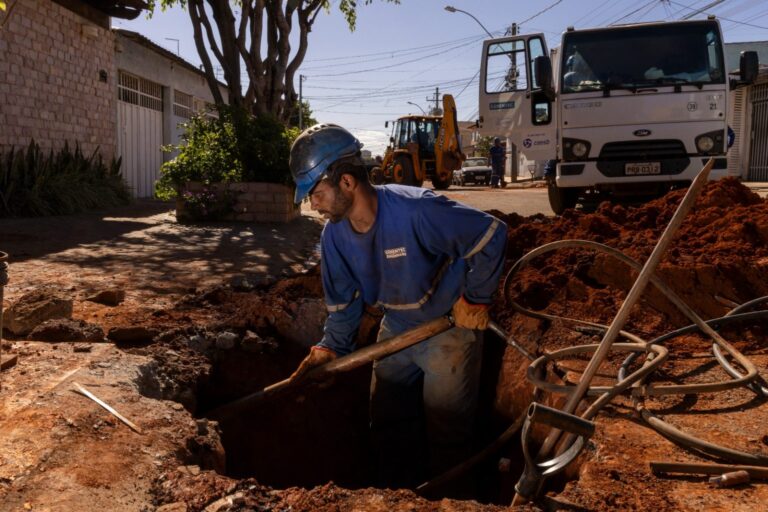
(632, 109)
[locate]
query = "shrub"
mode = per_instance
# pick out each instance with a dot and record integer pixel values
(63, 182)
(207, 204)
(233, 148)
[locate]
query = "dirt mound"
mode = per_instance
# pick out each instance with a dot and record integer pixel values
(720, 251)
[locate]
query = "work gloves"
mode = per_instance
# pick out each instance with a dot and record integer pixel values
(318, 356)
(470, 316)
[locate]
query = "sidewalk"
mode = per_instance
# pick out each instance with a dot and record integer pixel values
(759, 187)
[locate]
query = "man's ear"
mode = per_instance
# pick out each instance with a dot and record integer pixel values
(348, 182)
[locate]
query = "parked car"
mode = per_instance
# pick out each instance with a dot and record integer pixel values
(474, 170)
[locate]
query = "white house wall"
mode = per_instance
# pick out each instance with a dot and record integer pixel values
(139, 60)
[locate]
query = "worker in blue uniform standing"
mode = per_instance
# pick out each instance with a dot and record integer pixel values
(417, 256)
(498, 161)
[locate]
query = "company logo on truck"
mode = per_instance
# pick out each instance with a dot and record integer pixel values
(503, 105)
(642, 132)
(527, 143)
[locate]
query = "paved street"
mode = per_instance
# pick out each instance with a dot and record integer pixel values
(523, 201)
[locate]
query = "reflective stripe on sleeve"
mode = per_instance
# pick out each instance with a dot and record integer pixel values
(483, 241)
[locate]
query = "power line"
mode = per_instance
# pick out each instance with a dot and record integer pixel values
(540, 12)
(726, 19)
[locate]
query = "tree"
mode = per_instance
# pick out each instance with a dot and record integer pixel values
(256, 36)
(483, 146)
(306, 116)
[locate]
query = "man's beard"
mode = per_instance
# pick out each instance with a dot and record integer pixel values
(339, 208)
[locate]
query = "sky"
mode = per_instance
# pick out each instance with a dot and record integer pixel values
(402, 53)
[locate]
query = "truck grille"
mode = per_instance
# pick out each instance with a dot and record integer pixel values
(670, 153)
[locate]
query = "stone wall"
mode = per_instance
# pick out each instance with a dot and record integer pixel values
(252, 202)
(57, 79)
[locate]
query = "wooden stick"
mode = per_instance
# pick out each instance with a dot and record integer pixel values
(698, 468)
(80, 389)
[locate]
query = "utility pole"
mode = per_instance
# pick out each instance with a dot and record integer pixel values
(436, 99)
(301, 103)
(511, 148)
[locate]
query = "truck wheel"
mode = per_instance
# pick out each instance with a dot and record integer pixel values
(402, 171)
(377, 176)
(441, 184)
(560, 199)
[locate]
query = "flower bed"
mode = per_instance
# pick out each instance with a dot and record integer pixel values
(242, 202)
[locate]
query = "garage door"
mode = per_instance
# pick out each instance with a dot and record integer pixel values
(140, 132)
(758, 154)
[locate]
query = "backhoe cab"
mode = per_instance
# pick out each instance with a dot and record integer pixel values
(422, 148)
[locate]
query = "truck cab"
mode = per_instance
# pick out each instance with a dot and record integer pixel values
(622, 110)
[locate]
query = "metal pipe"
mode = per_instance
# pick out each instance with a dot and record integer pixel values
(496, 329)
(349, 362)
(674, 434)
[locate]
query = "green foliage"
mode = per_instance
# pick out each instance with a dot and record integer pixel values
(306, 114)
(483, 146)
(236, 147)
(208, 154)
(63, 182)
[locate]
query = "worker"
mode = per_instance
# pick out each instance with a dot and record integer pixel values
(417, 256)
(498, 161)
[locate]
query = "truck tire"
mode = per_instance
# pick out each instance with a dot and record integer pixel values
(560, 199)
(377, 176)
(441, 184)
(402, 172)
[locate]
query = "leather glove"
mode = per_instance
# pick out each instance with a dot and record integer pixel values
(318, 356)
(470, 316)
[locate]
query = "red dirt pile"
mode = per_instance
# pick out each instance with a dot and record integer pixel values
(720, 250)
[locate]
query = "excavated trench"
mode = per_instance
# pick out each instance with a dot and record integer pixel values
(313, 436)
(317, 435)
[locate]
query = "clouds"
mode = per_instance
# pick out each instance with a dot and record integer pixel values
(374, 141)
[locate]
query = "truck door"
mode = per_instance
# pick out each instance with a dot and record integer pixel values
(513, 103)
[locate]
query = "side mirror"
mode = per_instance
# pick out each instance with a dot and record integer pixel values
(542, 72)
(748, 67)
(386, 124)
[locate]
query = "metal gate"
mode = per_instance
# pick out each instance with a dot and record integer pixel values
(758, 151)
(140, 132)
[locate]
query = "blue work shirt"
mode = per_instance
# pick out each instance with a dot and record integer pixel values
(497, 158)
(422, 252)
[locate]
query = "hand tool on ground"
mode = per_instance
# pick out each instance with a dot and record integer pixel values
(531, 489)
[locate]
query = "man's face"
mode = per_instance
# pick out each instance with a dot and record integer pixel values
(330, 201)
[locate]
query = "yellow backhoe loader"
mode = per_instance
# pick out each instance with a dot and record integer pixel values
(422, 148)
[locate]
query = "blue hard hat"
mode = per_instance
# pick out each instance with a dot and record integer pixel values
(314, 151)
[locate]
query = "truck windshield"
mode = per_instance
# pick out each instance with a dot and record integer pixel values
(642, 56)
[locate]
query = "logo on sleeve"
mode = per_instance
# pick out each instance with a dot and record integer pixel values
(398, 252)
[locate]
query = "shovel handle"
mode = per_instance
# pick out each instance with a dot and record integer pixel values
(349, 362)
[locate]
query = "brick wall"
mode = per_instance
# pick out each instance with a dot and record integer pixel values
(50, 89)
(253, 202)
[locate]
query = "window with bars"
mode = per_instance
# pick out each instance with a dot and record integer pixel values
(139, 91)
(183, 104)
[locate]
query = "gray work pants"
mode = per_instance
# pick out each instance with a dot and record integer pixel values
(423, 402)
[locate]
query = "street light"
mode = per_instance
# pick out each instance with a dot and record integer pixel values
(450, 8)
(416, 105)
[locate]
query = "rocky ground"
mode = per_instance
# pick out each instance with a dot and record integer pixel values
(178, 346)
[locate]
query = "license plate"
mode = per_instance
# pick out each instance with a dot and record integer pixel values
(640, 169)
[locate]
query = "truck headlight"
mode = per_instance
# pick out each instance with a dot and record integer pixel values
(579, 150)
(705, 144)
(575, 149)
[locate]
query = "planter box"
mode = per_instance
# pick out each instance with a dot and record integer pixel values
(250, 202)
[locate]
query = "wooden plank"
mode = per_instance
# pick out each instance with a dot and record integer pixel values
(8, 361)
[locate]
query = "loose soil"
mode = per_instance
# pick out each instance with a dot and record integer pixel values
(309, 450)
